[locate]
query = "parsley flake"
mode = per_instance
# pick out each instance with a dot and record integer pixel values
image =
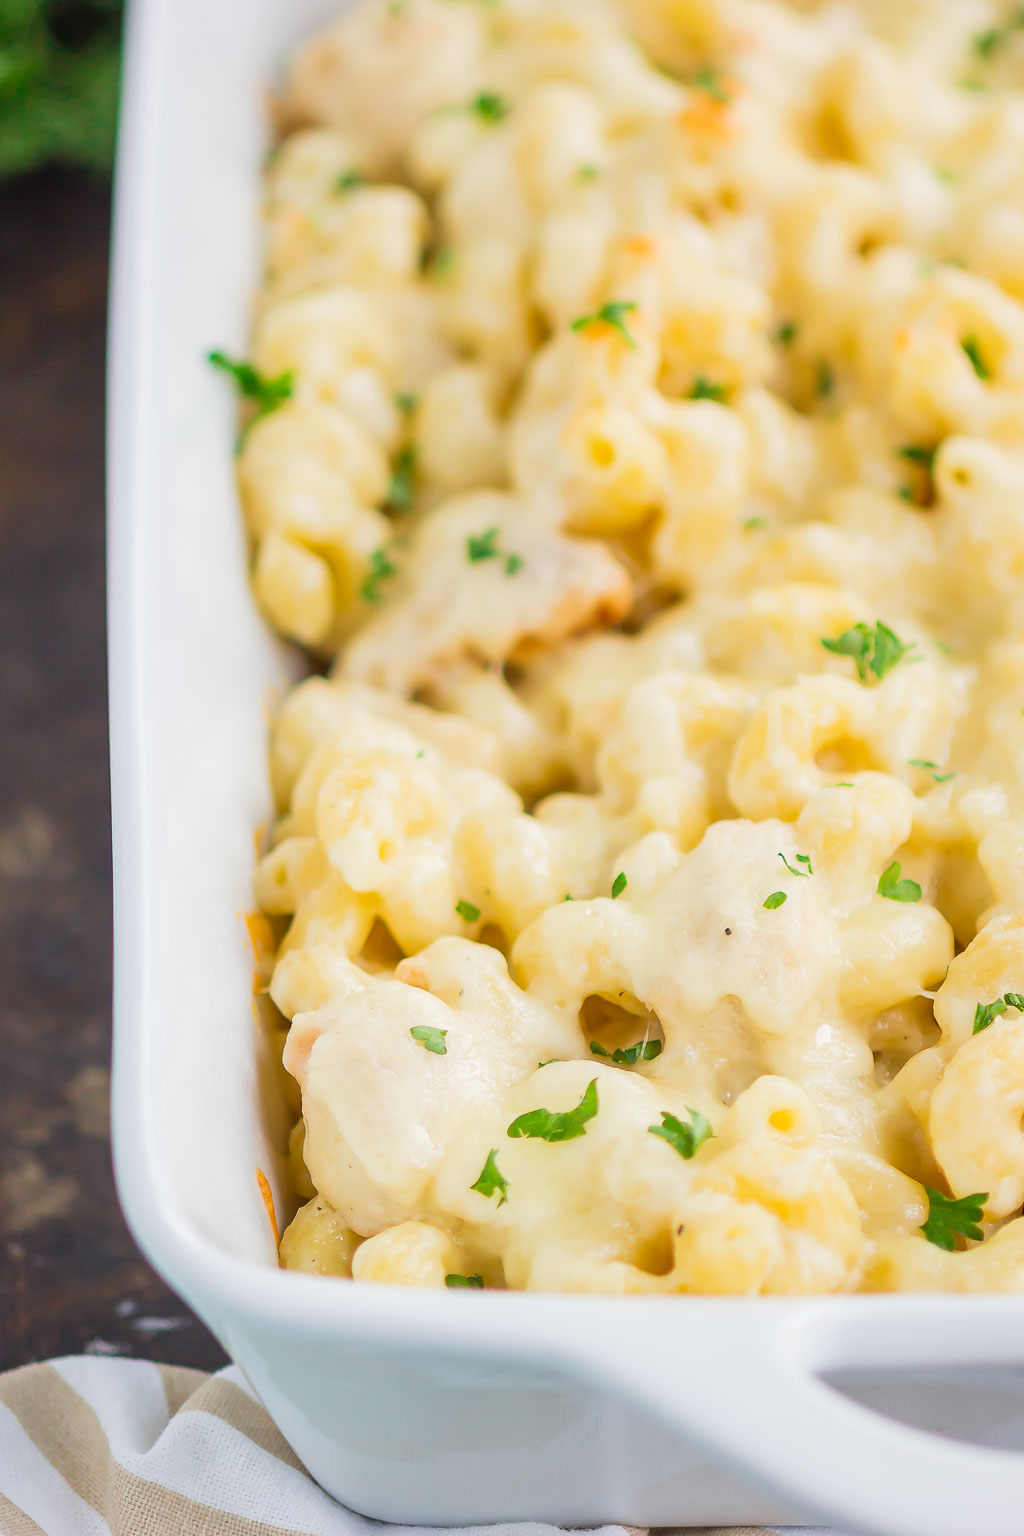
(489, 107)
(587, 173)
(873, 650)
(266, 394)
(921, 492)
(401, 489)
(930, 767)
(464, 1282)
(705, 389)
(483, 546)
(824, 379)
(619, 884)
(349, 180)
(430, 1038)
(776, 899)
(710, 81)
(405, 402)
(801, 858)
(549, 1125)
(972, 346)
(492, 1181)
(787, 333)
(686, 1139)
(381, 567)
(894, 889)
(467, 911)
(439, 262)
(919, 453)
(628, 1056)
(613, 314)
(985, 43)
(750, 524)
(986, 1013)
(949, 1219)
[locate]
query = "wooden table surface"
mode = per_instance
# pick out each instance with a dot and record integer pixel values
(71, 1278)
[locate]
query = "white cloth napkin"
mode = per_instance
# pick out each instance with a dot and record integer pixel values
(104, 1447)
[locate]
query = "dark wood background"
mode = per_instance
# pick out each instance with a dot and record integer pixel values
(71, 1279)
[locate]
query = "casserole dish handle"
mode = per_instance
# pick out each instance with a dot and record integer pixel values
(756, 1397)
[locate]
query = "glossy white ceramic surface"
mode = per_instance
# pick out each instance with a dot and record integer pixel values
(410, 1406)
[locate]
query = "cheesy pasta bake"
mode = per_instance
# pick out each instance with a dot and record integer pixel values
(633, 440)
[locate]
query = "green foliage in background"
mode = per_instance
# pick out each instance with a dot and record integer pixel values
(58, 82)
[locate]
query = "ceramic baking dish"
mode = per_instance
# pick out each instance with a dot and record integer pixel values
(410, 1406)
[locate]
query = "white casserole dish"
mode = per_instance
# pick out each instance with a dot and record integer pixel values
(409, 1406)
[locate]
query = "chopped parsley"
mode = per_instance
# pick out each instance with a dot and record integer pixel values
(922, 457)
(776, 899)
(489, 107)
(643, 1050)
(484, 546)
(266, 394)
(919, 453)
(430, 1038)
(464, 1282)
(824, 379)
(614, 314)
(874, 650)
(972, 346)
(492, 1181)
(750, 524)
(549, 1125)
(349, 180)
(932, 768)
(587, 173)
(705, 389)
(988, 43)
(381, 567)
(986, 1013)
(401, 489)
(801, 858)
(710, 81)
(467, 911)
(985, 43)
(619, 884)
(686, 1139)
(438, 262)
(894, 889)
(405, 402)
(949, 1219)
(787, 333)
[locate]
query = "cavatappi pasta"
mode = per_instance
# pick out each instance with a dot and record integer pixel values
(638, 432)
